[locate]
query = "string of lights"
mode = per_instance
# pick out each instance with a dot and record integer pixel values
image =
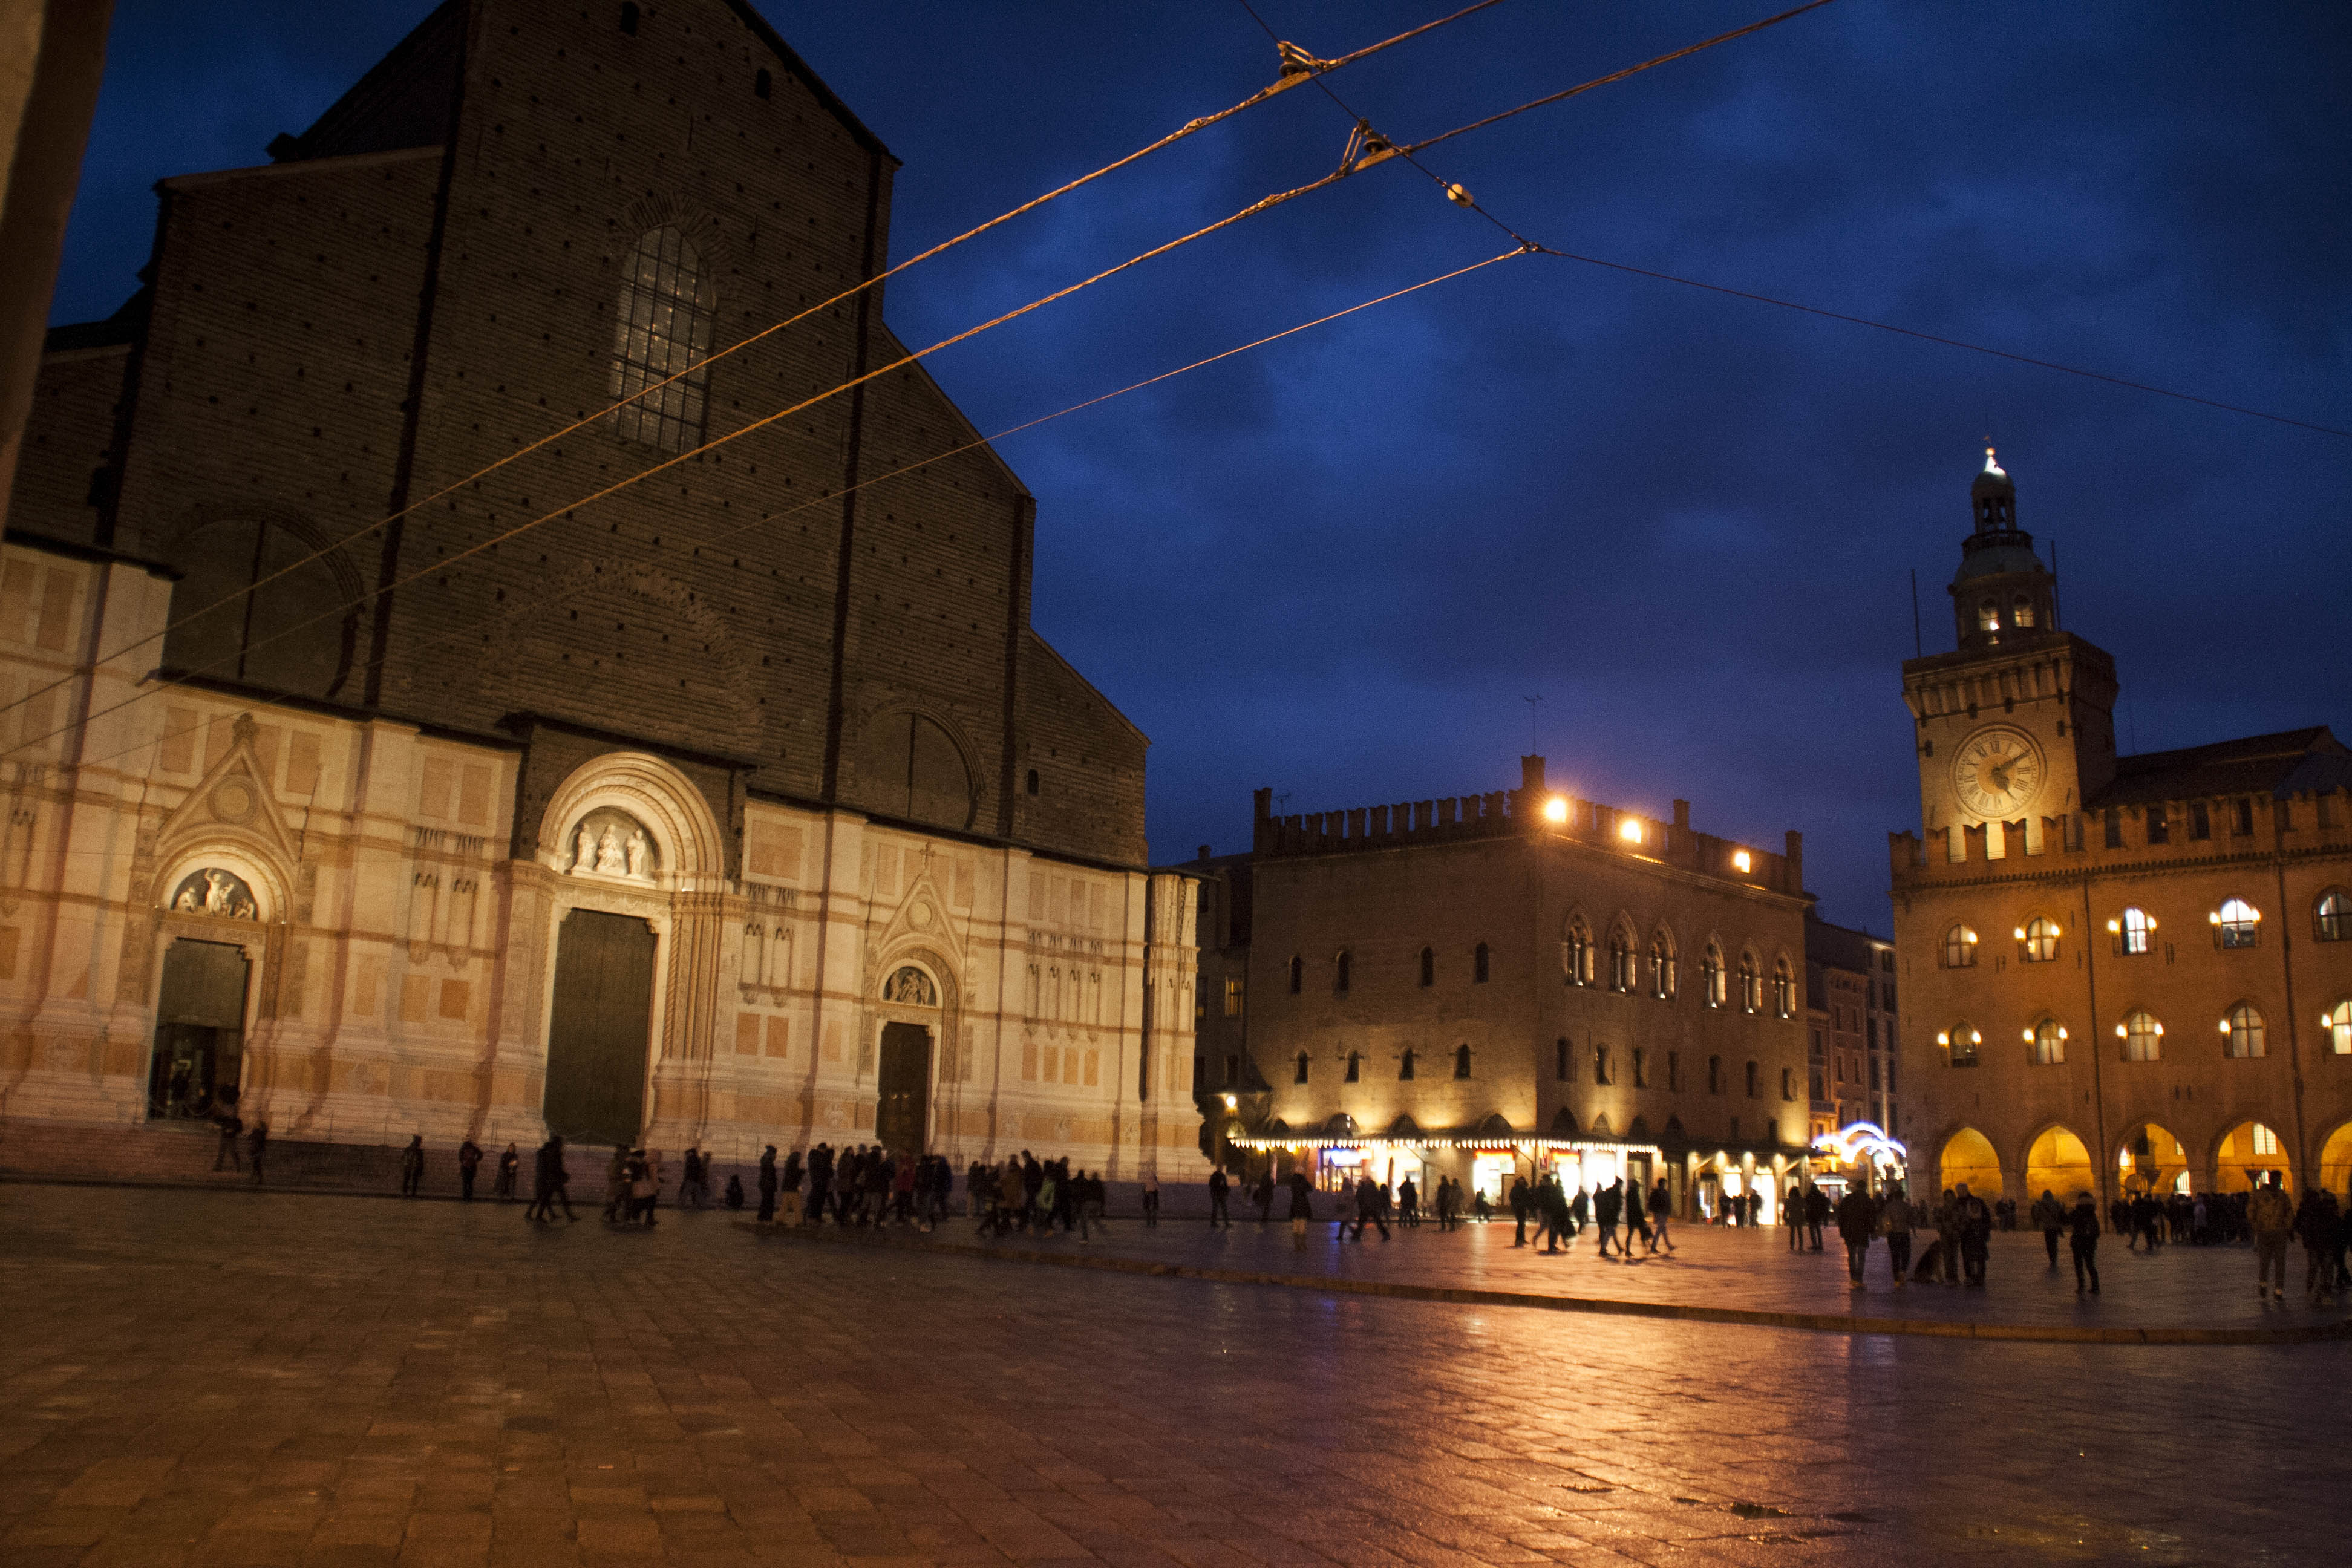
(485, 625)
(1462, 198)
(1297, 67)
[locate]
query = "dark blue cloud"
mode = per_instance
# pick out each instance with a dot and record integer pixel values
(1337, 565)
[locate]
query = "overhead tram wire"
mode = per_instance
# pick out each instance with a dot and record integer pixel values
(1408, 150)
(441, 565)
(1297, 67)
(519, 611)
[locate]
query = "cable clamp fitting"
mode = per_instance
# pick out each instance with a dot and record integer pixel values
(1365, 148)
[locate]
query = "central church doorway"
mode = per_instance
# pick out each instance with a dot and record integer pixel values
(598, 1027)
(903, 1089)
(199, 1030)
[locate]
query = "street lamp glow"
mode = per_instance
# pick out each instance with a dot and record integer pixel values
(1232, 1102)
(1742, 862)
(1630, 830)
(1556, 809)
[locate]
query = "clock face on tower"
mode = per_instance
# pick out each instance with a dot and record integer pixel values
(1998, 773)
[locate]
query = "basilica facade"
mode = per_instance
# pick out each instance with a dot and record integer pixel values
(660, 769)
(2121, 974)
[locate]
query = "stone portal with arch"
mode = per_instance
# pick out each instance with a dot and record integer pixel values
(631, 862)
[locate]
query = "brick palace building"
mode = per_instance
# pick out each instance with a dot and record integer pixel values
(1498, 983)
(742, 805)
(2120, 973)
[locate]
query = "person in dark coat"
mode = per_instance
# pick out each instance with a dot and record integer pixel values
(768, 1184)
(1519, 1204)
(2083, 1241)
(550, 1182)
(1552, 1207)
(1218, 1188)
(1976, 1233)
(1302, 1209)
(510, 1163)
(1857, 1221)
(411, 1166)
(734, 1190)
(1817, 1214)
(230, 1124)
(1367, 1209)
(256, 1144)
(469, 1160)
(1608, 1203)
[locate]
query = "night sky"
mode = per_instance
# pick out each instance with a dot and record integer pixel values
(1337, 565)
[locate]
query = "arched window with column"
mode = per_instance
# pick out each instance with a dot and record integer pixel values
(1751, 984)
(2046, 1043)
(1713, 987)
(1620, 961)
(1662, 967)
(2241, 1025)
(662, 327)
(1784, 990)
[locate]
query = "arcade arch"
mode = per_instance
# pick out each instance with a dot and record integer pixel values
(1968, 1156)
(2059, 1164)
(2336, 1161)
(2152, 1159)
(2248, 1152)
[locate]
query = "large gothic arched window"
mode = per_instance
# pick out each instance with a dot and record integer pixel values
(661, 327)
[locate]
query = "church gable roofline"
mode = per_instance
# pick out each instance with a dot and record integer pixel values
(402, 100)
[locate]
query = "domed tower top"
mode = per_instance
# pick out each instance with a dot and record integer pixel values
(1994, 497)
(2001, 589)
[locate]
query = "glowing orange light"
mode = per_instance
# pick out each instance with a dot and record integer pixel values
(1556, 809)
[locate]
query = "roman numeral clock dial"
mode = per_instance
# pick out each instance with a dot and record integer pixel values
(1998, 773)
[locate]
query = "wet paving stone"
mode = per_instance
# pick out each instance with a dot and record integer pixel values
(195, 1377)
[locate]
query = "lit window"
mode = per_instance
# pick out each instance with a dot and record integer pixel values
(2337, 1021)
(661, 330)
(2041, 936)
(1959, 948)
(2143, 1036)
(2235, 923)
(1620, 963)
(1960, 1042)
(1662, 968)
(2334, 918)
(2134, 930)
(1232, 997)
(1784, 990)
(2244, 1025)
(2020, 611)
(2263, 1140)
(1988, 615)
(1751, 984)
(1711, 977)
(1576, 954)
(2048, 1040)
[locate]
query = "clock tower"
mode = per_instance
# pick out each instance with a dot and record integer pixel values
(2015, 727)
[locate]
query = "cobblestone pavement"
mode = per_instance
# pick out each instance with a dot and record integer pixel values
(231, 1378)
(2175, 1286)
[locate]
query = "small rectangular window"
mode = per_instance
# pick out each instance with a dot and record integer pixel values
(2201, 820)
(2114, 824)
(2159, 825)
(1233, 1069)
(2243, 811)
(1641, 1068)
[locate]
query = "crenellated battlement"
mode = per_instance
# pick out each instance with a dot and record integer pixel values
(1529, 811)
(2188, 830)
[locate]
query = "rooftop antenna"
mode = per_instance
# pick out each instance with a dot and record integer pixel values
(1531, 703)
(1918, 639)
(1282, 800)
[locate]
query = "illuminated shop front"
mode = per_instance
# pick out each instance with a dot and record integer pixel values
(1482, 1165)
